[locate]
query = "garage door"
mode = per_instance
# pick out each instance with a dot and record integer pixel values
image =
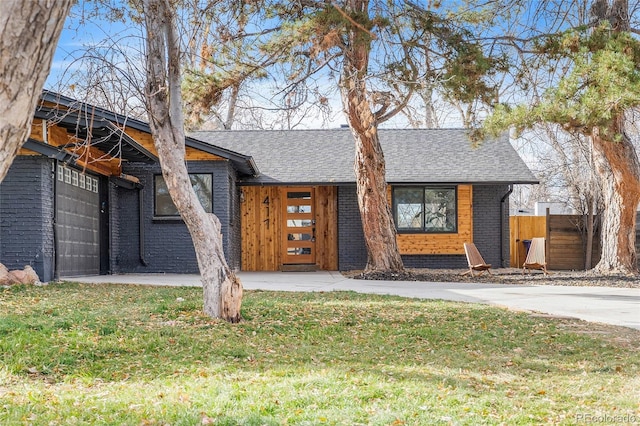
(78, 219)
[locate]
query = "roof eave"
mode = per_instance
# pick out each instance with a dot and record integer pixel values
(245, 164)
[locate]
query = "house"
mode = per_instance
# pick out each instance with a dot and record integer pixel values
(86, 196)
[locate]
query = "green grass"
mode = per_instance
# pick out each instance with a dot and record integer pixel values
(133, 355)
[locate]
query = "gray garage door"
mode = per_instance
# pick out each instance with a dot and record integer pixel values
(78, 218)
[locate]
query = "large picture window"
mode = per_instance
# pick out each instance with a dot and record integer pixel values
(203, 185)
(425, 209)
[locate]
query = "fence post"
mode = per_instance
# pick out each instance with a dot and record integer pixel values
(547, 237)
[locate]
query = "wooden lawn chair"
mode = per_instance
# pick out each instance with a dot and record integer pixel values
(475, 260)
(536, 258)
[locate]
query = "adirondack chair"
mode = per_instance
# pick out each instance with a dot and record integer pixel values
(475, 260)
(536, 258)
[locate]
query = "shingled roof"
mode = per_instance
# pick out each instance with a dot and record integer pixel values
(412, 156)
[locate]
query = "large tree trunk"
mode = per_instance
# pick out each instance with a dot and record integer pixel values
(221, 287)
(377, 220)
(619, 172)
(29, 33)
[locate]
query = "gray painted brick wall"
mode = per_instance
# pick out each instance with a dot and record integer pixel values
(487, 211)
(26, 216)
(235, 232)
(486, 219)
(114, 227)
(352, 253)
(160, 235)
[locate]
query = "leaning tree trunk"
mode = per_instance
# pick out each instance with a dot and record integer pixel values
(619, 172)
(375, 213)
(221, 287)
(29, 33)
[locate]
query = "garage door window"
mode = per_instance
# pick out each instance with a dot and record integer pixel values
(77, 179)
(202, 184)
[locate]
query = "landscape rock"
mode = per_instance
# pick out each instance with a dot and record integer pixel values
(4, 275)
(31, 276)
(25, 276)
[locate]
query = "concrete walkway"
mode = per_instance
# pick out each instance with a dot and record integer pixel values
(617, 306)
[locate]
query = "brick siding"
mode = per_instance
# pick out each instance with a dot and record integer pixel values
(167, 243)
(26, 216)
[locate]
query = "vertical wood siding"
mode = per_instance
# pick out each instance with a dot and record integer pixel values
(524, 228)
(261, 228)
(327, 228)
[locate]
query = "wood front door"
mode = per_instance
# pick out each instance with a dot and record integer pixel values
(299, 226)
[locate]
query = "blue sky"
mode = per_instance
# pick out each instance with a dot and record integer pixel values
(80, 30)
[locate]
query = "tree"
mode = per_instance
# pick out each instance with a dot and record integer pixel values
(564, 165)
(221, 287)
(29, 33)
(380, 51)
(600, 85)
(225, 78)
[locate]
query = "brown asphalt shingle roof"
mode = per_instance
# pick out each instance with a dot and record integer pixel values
(412, 156)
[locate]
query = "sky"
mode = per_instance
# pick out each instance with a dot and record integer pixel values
(81, 29)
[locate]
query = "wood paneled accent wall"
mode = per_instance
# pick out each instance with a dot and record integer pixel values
(327, 228)
(443, 243)
(89, 157)
(145, 139)
(261, 225)
(96, 160)
(261, 217)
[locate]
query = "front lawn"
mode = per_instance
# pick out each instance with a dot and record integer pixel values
(113, 354)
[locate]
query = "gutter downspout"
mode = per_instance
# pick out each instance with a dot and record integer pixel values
(141, 228)
(502, 200)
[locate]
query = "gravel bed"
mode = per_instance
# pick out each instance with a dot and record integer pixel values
(508, 276)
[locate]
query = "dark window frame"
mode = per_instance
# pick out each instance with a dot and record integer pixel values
(176, 215)
(423, 229)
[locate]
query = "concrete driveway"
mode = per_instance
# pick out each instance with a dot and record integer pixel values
(617, 306)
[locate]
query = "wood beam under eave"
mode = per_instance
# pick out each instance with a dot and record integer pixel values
(97, 161)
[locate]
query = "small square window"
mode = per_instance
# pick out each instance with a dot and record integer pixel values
(202, 184)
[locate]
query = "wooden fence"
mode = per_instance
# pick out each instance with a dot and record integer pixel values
(524, 228)
(565, 244)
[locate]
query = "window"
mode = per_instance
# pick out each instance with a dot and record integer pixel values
(203, 185)
(425, 209)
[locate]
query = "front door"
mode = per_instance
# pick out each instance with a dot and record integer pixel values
(299, 236)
